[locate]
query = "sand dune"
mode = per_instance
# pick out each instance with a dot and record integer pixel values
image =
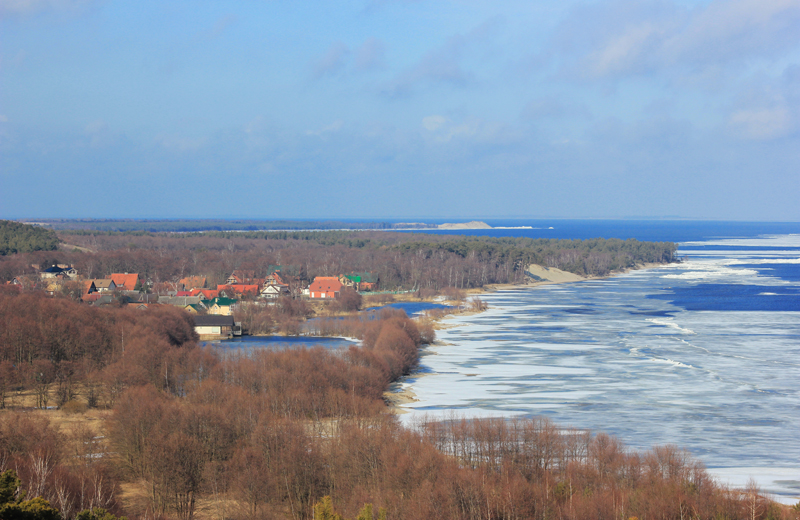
(551, 274)
(475, 224)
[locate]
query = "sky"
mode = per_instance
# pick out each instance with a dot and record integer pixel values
(400, 108)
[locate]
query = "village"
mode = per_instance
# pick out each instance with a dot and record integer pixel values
(212, 308)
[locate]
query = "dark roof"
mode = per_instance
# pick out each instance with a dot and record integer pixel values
(105, 299)
(212, 319)
(222, 302)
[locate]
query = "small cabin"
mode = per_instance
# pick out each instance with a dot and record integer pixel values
(214, 327)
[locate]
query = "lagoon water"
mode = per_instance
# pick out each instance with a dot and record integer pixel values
(250, 343)
(704, 354)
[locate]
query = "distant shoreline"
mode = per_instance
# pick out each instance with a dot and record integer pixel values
(248, 225)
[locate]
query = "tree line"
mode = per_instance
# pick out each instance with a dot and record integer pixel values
(24, 238)
(189, 225)
(401, 260)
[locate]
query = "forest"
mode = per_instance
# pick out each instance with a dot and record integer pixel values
(178, 225)
(403, 261)
(23, 238)
(137, 419)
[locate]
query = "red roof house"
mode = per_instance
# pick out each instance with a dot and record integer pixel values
(325, 287)
(274, 279)
(241, 276)
(125, 281)
(207, 294)
(239, 289)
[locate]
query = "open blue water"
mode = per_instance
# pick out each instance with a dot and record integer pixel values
(704, 354)
(412, 309)
(248, 343)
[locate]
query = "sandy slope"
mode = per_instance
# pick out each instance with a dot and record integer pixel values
(551, 274)
(475, 224)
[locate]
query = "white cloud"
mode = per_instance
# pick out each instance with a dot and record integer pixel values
(433, 123)
(331, 128)
(219, 27)
(768, 108)
(181, 144)
(444, 64)
(99, 134)
(733, 29)
(623, 51)
(762, 123)
(638, 37)
(370, 55)
(11, 8)
(552, 108)
(442, 129)
(333, 61)
(96, 126)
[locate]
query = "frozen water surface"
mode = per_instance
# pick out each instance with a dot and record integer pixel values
(628, 356)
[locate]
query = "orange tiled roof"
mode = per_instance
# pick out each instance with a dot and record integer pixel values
(125, 281)
(207, 293)
(325, 284)
(239, 288)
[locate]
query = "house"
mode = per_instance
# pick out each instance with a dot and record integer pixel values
(210, 327)
(52, 285)
(91, 298)
(164, 287)
(274, 279)
(125, 281)
(101, 300)
(139, 306)
(220, 306)
(104, 285)
(325, 287)
(274, 291)
(207, 294)
(88, 287)
(59, 271)
(192, 282)
(180, 301)
(238, 289)
(27, 282)
(138, 296)
(195, 308)
(360, 281)
(239, 276)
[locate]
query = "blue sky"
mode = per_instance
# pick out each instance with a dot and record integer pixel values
(400, 108)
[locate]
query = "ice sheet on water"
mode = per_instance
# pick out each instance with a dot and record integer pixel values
(760, 261)
(778, 241)
(783, 483)
(670, 323)
(721, 383)
(511, 370)
(698, 271)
